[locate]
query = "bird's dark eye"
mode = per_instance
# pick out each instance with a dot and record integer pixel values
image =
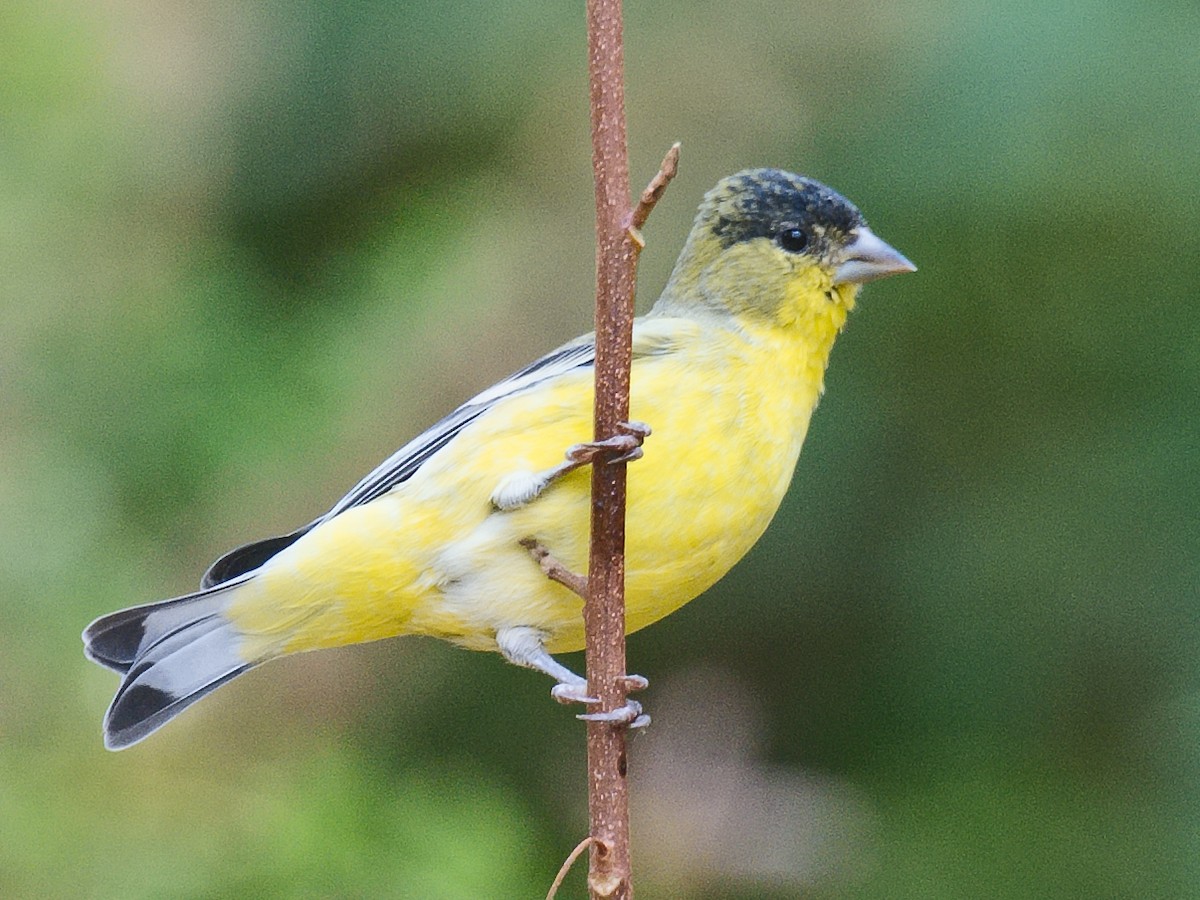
(792, 239)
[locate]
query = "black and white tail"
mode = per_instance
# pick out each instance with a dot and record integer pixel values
(171, 653)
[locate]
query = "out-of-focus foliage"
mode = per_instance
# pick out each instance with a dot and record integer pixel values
(248, 249)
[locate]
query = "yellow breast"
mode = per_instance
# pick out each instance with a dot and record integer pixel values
(729, 410)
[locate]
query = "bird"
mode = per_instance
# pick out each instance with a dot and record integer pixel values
(453, 535)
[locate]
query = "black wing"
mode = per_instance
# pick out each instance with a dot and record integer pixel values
(249, 557)
(401, 465)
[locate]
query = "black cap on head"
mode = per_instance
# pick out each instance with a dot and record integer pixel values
(760, 202)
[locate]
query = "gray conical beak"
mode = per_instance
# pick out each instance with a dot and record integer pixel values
(866, 258)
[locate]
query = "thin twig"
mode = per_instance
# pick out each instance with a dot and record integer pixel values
(555, 570)
(655, 189)
(566, 866)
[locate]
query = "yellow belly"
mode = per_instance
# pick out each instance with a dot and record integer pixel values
(435, 557)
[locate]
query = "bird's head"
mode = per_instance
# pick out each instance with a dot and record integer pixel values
(770, 245)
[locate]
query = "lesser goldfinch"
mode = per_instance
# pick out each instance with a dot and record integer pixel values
(727, 369)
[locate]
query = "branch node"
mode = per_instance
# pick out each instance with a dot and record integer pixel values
(603, 879)
(604, 885)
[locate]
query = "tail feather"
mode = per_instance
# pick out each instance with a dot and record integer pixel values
(171, 653)
(249, 557)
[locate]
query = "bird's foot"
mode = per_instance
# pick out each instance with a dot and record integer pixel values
(629, 713)
(627, 442)
(525, 646)
(570, 692)
(519, 488)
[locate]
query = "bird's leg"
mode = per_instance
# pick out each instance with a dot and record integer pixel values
(524, 647)
(520, 488)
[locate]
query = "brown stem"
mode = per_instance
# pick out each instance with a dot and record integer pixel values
(618, 243)
(609, 873)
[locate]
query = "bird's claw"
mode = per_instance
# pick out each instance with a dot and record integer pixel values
(634, 453)
(633, 428)
(633, 683)
(633, 435)
(572, 693)
(628, 714)
(627, 441)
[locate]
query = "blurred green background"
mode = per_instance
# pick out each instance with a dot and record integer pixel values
(246, 250)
